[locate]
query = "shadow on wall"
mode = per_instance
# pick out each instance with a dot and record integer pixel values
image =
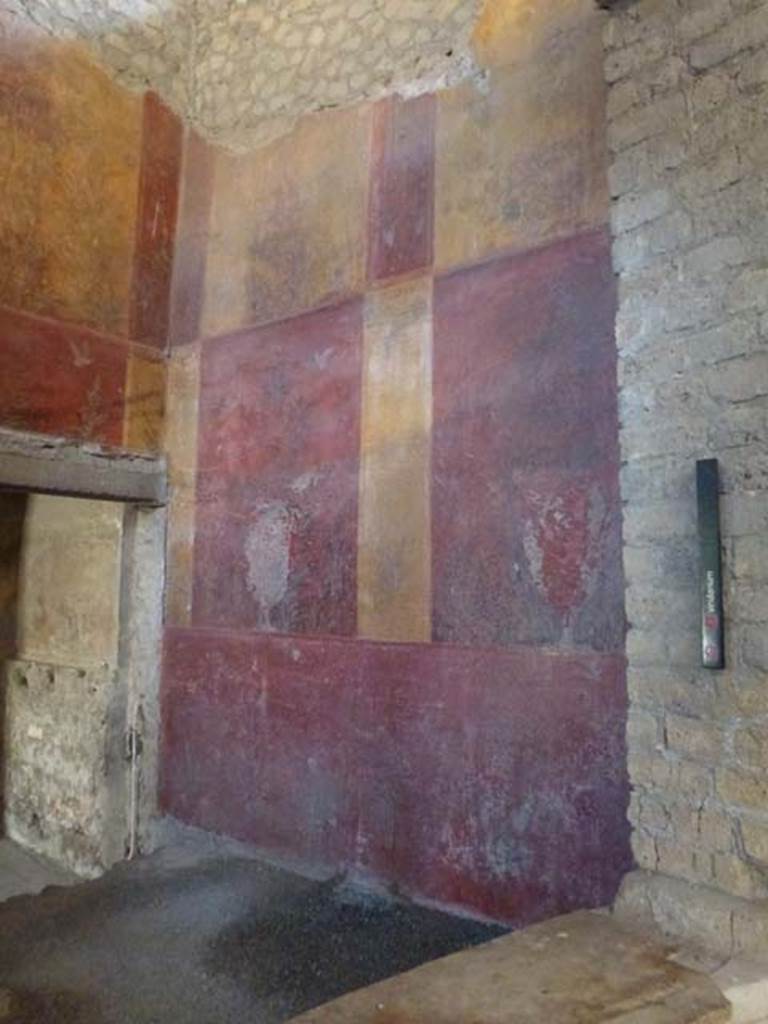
(13, 508)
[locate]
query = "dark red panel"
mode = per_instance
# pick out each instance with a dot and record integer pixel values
(526, 508)
(192, 240)
(402, 187)
(492, 780)
(57, 378)
(276, 534)
(159, 183)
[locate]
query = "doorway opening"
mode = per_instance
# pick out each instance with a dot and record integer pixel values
(81, 593)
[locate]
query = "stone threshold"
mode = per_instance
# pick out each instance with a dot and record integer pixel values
(714, 933)
(583, 968)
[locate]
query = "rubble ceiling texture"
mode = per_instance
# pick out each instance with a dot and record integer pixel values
(242, 71)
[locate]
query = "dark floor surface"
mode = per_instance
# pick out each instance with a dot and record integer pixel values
(222, 940)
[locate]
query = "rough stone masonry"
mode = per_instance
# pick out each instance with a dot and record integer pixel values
(688, 135)
(243, 71)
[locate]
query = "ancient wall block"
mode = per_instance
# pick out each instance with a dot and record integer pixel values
(55, 759)
(69, 599)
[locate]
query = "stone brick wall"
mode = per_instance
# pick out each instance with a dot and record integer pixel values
(60, 692)
(688, 134)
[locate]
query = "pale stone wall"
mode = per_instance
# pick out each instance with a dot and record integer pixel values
(688, 132)
(63, 725)
(242, 71)
(69, 604)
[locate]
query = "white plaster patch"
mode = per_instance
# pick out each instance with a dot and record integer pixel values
(268, 558)
(305, 481)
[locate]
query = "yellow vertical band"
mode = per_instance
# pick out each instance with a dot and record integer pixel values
(144, 403)
(394, 557)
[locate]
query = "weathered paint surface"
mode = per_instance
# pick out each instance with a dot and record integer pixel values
(69, 163)
(288, 223)
(391, 493)
(156, 223)
(181, 429)
(526, 518)
(520, 31)
(488, 779)
(86, 244)
(144, 402)
(402, 187)
(56, 378)
(394, 560)
(279, 439)
(523, 162)
(191, 239)
(13, 508)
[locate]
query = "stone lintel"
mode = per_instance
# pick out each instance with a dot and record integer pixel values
(55, 465)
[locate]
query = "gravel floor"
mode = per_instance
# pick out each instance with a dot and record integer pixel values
(217, 940)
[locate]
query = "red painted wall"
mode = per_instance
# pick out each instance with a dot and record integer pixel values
(525, 505)
(481, 765)
(485, 778)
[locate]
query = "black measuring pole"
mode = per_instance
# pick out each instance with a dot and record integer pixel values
(712, 632)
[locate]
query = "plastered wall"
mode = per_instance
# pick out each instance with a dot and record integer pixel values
(86, 235)
(395, 604)
(689, 137)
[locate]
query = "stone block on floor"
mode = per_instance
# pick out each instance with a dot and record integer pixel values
(744, 983)
(582, 967)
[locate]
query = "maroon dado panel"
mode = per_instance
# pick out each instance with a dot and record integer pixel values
(492, 780)
(276, 535)
(526, 510)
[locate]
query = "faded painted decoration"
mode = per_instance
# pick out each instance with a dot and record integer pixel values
(393, 761)
(397, 622)
(395, 607)
(86, 239)
(67, 250)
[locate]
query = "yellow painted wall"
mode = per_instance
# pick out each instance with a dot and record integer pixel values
(70, 144)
